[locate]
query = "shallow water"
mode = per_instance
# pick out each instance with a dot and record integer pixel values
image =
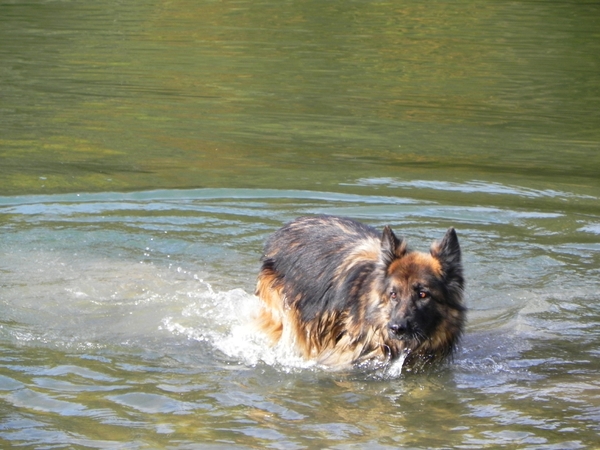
(124, 321)
(148, 149)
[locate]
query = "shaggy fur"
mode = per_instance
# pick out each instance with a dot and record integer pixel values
(343, 294)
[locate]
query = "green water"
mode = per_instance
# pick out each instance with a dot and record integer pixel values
(108, 96)
(147, 150)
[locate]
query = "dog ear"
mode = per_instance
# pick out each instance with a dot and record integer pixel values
(447, 252)
(392, 247)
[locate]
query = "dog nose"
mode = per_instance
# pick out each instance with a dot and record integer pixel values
(400, 327)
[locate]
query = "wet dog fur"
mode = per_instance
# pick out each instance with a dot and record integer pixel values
(342, 294)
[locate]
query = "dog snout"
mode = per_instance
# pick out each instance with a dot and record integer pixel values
(400, 327)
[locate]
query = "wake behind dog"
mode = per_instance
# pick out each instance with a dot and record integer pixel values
(343, 295)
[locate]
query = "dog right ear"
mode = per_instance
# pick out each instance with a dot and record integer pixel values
(391, 246)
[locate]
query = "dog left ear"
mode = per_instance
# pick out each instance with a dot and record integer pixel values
(447, 251)
(392, 247)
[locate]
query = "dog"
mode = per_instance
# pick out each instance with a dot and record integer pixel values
(344, 295)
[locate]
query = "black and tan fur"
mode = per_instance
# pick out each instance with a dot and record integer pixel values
(343, 294)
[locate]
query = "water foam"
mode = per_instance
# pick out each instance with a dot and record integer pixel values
(225, 320)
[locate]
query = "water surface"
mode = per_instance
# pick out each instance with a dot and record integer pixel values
(147, 150)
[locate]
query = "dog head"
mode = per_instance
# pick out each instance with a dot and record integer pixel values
(422, 294)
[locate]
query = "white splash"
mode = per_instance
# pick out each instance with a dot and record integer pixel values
(394, 369)
(225, 319)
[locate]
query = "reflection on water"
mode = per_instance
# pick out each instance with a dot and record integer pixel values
(106, 96)
(148, 148)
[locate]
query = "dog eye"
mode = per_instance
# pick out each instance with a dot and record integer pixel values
(423, 294)
(393, 295)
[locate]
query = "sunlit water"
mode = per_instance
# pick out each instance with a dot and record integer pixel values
(125, 322)
(148, 148)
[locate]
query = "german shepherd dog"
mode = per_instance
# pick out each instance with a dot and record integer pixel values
(344, 295)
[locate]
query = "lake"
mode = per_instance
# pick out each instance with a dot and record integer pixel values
(148, 149)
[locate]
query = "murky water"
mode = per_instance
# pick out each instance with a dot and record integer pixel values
(147, 150)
